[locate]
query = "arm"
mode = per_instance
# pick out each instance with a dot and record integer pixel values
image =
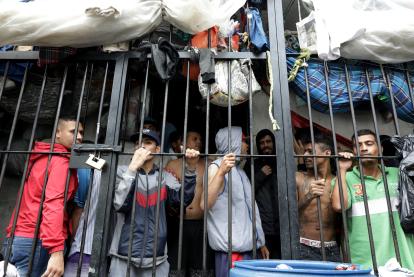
(80, 196)
(344, 165)
(76, 215)
(313, 190)
(194, 211)
(216, 180)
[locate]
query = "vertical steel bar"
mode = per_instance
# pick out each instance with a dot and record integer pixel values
(91, 176)
(362, 177)
(52, 147)
(131, 230)
(157, 214)
(180, 230)
(384, 175)
(254, 231)
(387, 80)
(410, 88)
(315, 168)
(3, 83)
(346, 247)
(205, 179)
(288, 211)
(230, 183)
(14, 123)
(25, 172)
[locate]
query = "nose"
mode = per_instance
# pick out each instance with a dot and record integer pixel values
(79, 137)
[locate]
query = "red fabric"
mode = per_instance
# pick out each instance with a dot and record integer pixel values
(152, 198)
(236, 257)
(54, 220)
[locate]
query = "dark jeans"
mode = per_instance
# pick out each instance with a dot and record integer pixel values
(315, 254)
(221, 259)
(192, 255)
(20, 256)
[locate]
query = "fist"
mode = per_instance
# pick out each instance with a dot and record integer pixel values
(141, 155)
(345, 162)
(191, 153)
(316, 188)
(267, 170)
(228, 163)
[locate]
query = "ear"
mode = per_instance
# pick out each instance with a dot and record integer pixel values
(328, 152)
(157, 149)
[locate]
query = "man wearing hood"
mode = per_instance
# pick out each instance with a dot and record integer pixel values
(54, 220)
(217, 204)
(266, 190)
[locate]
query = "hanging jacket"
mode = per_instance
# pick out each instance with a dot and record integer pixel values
(242, 222)
(145, 215)
(54, 220)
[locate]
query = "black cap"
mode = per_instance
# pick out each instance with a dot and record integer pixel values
(147, 133)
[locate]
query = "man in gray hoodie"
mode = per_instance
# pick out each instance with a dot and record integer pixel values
(217, 205)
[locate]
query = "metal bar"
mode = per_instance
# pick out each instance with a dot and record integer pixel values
(52, 146)
(368, 218)
(157, 214)
(98, 265)
(346, 248)
(315, 169)
(229, 177)
(410, 88)
(384, 176)
(3, 83)
(91, 175)
(288, 211)
(254, 231)
(13, 128)
(394, 112)
(25, 171)
(131, 231)
(180, 230)
(205, 179)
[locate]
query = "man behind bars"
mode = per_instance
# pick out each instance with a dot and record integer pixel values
(217, 205)
(354, 203)
(54, 220)
(265, 179)
(308, 189)
(192, 261)
(143, 173)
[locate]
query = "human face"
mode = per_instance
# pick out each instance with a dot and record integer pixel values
(194, 141)
(149, 144)
(266, 145)
(66, 132)
(368, 147)
(319, 152)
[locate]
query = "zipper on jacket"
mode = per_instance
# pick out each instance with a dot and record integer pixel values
(146, 223)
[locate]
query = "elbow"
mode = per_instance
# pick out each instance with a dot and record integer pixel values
(336, 206)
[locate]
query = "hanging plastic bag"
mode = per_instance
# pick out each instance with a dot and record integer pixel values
(405, 146)
(239, 83)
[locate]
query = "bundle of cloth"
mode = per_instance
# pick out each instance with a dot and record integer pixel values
(84, 23)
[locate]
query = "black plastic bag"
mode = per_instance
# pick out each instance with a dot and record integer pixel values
(405, 147)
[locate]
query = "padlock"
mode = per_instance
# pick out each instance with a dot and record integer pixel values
(95, 162)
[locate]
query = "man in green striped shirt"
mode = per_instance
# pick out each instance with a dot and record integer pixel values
(377, 205)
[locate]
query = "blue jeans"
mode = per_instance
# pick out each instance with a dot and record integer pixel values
(20, 256)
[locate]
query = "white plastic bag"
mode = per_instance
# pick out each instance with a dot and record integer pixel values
(82, 23)
(239, 83)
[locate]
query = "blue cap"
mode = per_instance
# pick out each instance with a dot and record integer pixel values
(147, 133)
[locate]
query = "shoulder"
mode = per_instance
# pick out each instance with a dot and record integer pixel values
(300, 178)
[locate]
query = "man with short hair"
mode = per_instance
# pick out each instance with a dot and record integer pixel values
(265, 180)
(353, 197)
(217, 204)
(192, 262)
(143, 174)
(308, 189)
(54, 219)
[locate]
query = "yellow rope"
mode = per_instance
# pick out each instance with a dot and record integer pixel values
(300, 61)
(275, 126)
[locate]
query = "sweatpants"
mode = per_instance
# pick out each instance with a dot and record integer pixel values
(119, 268)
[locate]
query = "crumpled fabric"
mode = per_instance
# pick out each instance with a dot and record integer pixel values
(392, 268)
(376, 30)
(67, 23)
(11, 270)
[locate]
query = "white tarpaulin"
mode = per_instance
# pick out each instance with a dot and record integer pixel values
(377, 30)
(82, 23)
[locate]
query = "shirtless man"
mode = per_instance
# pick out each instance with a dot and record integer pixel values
(192, 263)
(308, 189)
